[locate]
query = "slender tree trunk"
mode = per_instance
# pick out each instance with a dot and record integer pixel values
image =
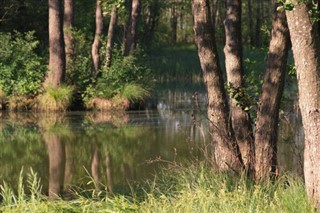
(68, 22)
(306, 51)
(97, 42)
(131, 33)
(109, 173)
(226, 152)
(241, 122)
(56, 154)
(258, 25)
(112, 25)
(266, 133)
(250, 17)
(174, 23)
(57, 57)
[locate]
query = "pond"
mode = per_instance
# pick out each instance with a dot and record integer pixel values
(110, 150)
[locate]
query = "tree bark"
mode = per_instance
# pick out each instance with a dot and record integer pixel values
(131, 33)
(266, 133)
(57, 58)
(97, 42)
(250, 17)
(226, 151)
(306, 52)
(112, 25)
(258, 25)
(68, 22)
(241, 121)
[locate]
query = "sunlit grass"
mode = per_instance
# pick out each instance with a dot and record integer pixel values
(56, 99)
(193, 188)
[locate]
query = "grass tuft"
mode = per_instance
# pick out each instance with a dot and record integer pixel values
(56, 99)
(134, 92)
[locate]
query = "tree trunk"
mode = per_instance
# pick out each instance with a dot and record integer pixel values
(109, 173)
(174, 23)
(241, 122)
(68, 22)
(250, 17)
(112, 25)
(57, 57)
(306, 52)
(272, 88)
(258, 25)
(226, 152)
(95, 167)
(131, 33)
(97, 42)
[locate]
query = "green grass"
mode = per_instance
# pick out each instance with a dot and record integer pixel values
(56, 99)
(193, 188)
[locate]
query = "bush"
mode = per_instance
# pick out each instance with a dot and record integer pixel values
(22, 70)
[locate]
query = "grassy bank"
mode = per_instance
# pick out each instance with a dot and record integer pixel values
(195, 188)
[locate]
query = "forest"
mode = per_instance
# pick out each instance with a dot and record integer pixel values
(253, 60)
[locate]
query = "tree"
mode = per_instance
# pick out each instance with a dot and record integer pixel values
(112, 25)
(241, 122)
(226, 151)
(267, 117)
(306, 51)
(97, 38)
(57, 58)
(131, 32)
(68, 22)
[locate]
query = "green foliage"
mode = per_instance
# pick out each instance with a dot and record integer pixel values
(22, 70)
(125, 73)
(56, 99)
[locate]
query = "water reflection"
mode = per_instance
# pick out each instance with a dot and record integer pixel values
(108, 148)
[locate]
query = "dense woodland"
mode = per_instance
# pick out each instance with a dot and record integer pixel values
(57, 55)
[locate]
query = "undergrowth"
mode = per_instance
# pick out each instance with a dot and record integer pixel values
(193, 188)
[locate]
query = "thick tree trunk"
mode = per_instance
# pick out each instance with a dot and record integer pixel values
(241, 122)
(272, 88)
(56, 154)
(131, 33)
(57, 57)
(97, 42)
(306, 52)
(112, 25)
(226, 152)
(68, 22)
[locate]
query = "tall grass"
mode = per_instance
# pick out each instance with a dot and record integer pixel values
(56, 99)
(193, 188)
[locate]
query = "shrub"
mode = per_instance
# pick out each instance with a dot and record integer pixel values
(22, 70)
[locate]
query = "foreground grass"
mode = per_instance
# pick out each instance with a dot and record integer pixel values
(195, 188)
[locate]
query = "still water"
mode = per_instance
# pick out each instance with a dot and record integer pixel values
(99, 150)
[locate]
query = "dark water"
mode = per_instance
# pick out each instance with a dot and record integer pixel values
(111, 149)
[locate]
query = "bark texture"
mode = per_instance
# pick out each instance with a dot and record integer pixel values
(268, 113)
(226, 152)
(68, 23)
(131, 33)
(306, 51)
(97, 42)
(112, 25)
(234, 66)
(57, 57)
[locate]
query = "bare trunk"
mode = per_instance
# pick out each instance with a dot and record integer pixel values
(306, 52)
(56, 154)
(258, 25)
(57, 58)
(174, 23)
(226, 152)
(112, 25)
(268, 113)
(131, 33)
(68, 22)
(250, 17)
(97, 42)
(109, 173)
(241, 122)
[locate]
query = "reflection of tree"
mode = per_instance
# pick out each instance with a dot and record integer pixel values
(56, 152)
(95, 167)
